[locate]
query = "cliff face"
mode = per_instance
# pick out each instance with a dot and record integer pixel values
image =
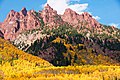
(50, 17)
(17, 22)
(85, 19)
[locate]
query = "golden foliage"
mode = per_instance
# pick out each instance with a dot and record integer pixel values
(87, 72)
(18, 65)
(14, 62)
(84, 55)
(9, 53)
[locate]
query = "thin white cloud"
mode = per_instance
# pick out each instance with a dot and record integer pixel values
(79, 8)
(113, 24)
(96, 17)
(60, 6)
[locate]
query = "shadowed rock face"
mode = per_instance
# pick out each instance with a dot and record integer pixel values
(1, 35)
(23, 11)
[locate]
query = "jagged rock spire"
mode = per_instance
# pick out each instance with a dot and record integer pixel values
(24, 11)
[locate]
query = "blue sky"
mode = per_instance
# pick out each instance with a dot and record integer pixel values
(105, 11)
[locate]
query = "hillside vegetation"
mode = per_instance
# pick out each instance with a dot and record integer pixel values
(14, 61)
(65, 46)
(87, 72)
(18, 65)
